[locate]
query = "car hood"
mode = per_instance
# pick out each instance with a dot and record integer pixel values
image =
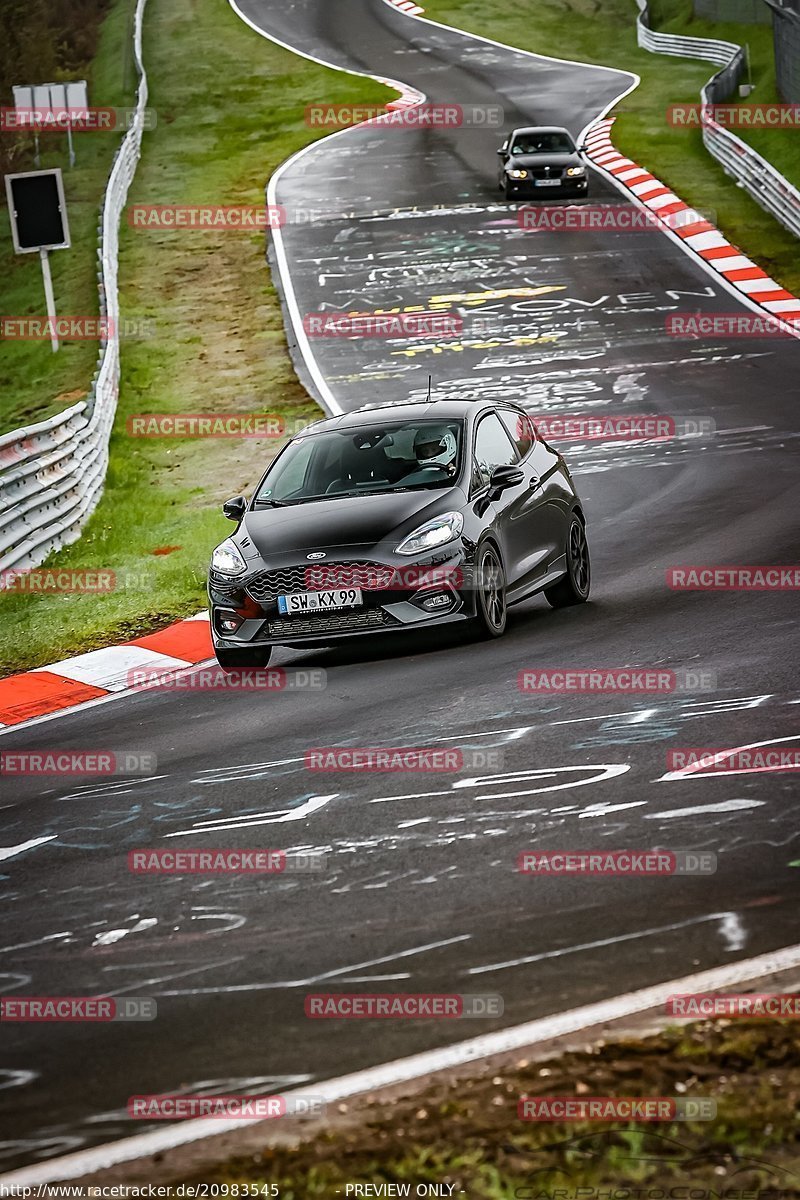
(348, 521)
(545, 160)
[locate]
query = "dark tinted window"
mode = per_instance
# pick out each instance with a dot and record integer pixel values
(372, 458)
(543, 143)
(520, 428)
(492, 447)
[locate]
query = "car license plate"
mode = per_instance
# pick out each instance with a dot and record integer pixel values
(305, 602)
(547, 182)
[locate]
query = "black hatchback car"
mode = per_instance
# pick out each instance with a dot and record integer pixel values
(393, 519)
(541, 161)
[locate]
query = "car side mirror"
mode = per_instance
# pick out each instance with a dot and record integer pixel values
(504, 477)
(502, 152)
(235, 509)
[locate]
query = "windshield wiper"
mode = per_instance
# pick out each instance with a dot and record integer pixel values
(270, 504)
(344, 495)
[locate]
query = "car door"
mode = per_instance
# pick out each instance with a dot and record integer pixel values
(494, 448)
(543, 511)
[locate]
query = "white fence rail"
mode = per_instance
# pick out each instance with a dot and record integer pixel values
(52, 473)
(764, 183)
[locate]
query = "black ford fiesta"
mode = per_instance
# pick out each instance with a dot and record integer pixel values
(397, 518)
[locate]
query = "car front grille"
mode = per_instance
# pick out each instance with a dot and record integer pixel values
(544, 172)
(314, 577)
(341, 622)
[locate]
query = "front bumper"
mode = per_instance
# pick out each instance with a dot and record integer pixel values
(252, 601)
(567, 187)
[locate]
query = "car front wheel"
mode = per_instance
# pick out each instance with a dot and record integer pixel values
(574, 587)
(490, 585)
(241, 660)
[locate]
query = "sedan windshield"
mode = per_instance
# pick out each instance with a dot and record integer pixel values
(543, 143)
(393, 456)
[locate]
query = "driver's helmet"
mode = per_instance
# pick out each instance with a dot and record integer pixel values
(435, 444)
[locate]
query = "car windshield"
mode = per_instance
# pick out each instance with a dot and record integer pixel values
(387, 457)
(543, 143)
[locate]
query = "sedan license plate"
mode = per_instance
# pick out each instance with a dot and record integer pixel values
(547, 182)
(305, 602)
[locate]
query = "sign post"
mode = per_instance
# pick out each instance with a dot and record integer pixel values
(38, 214)
(49, 299)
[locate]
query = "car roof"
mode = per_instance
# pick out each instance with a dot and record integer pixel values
(404, 410)
(541, 129)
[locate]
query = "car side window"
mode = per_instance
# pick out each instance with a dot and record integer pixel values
(520, 429)
(493, 448)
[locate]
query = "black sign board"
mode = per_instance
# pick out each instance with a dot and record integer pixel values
(37, 210)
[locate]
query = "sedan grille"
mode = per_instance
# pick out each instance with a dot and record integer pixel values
(343, 622)
(315, 577)
(544, 172)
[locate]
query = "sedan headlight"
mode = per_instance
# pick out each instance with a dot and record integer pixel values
(576, 170)
(432, 534)
(518, 174)
(227, 559)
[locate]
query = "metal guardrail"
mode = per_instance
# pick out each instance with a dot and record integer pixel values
(52, 473)
(739, 160)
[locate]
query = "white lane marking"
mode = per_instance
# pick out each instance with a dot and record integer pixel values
(110, 936)
(609, 771)
(723, 806)
(600, 810)
(11, 851)
(733, 932)
(710, 760)
(141, 984)
(416, 1066)
(279, 816)
(644, 715)
(488, 968)
(375, 978)
(50, 937)
(336, 972)
(10, 1079)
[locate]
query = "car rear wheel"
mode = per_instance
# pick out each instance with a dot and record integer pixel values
(241, 660)
(490, 585)
(574, 587)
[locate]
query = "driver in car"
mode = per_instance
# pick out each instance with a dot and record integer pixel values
(435, 447)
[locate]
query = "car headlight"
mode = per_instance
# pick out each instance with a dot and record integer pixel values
(576, 170)
(518, 174)
(432, 534)
(227, 560)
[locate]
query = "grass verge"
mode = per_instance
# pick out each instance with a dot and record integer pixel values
(467, 1134)
(590, 32)
(34, 382)
(229, 110)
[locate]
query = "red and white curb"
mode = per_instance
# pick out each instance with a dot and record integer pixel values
(696, 233)
(408, 98)
(407, 6)
(73, 682)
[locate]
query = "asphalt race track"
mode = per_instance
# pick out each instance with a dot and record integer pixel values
(421, 893)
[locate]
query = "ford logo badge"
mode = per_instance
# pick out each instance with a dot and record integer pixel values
(317, 554)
